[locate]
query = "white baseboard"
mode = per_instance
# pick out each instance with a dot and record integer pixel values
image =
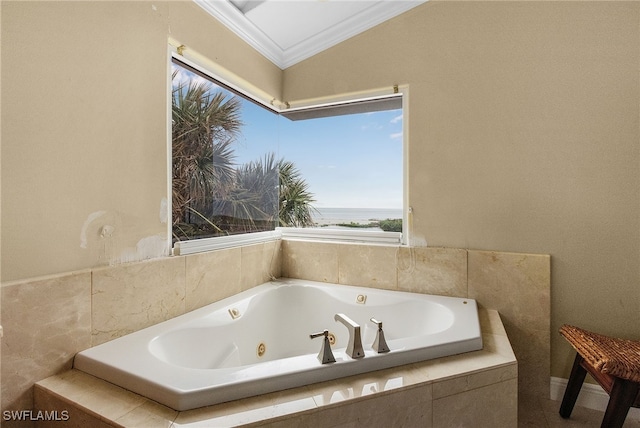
(591, 396)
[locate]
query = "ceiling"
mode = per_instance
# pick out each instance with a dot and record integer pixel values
(289, 31)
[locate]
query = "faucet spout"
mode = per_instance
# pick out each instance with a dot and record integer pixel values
(354, 347)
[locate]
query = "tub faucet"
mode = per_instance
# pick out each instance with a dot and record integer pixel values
(354, 347)
(325, 356)
(379, 345)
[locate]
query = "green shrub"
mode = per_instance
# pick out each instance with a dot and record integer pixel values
(391, 225)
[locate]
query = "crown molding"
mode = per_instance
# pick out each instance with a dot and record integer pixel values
(232, 18)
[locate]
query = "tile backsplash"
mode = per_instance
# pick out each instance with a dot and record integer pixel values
(47, 320)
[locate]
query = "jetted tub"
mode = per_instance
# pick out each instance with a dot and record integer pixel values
(259, 341)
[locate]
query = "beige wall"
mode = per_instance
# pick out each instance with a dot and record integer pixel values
(84, 97)
(523, 122)
(523, 133)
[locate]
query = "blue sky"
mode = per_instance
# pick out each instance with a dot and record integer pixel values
(350, 161)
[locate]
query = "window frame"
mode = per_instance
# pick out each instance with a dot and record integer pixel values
(254, 94)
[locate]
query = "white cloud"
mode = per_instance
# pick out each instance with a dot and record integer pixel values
(397, 119)
(396, 135)
(371, 126)
(183, 77)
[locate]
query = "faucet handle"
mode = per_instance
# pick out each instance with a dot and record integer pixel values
(379, 345)
(325, 355)
(375, 321)
(324, 333)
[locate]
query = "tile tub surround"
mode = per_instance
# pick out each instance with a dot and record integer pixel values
(474, 389)
(211, 276)
(517, 285)
(47, 320)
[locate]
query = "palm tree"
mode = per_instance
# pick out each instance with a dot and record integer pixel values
(212, 197)
(270, 193)
(253, 202)
(204, 125)
(294, 197)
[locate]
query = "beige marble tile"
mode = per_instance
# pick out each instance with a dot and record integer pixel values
(212, 276)
(496, 354)
(410, 407)
(353, 387)
(314, 261)
(273, 259)
(420, 415)
(490, 322)
(106, 401)
(368, 265)
(45, 321)
(149, 414)
(532, 350)
(259, 263)
(518, 286)
(490, 406)
(530, 413)
(476, 380)
(308, 419)
(127, 298)
(249, 410)
(441, 271)
(499, 345)
(76, 417)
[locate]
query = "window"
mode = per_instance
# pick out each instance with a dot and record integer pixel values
(217, 190)
(239, 168)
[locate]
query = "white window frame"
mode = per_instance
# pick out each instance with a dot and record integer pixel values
(222, 75)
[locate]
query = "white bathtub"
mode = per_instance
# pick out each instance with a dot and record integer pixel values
(211, 355)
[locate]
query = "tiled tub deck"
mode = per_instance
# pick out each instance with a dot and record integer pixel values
(473, 389)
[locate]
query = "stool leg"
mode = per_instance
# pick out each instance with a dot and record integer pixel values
(623, 394)
(576, 379)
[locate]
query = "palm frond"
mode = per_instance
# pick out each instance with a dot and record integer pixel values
(211, 196)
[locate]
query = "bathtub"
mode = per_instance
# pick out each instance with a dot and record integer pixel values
(259, 341)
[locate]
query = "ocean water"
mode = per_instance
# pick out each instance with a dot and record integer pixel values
(354, 215)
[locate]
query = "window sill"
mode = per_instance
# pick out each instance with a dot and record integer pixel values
(182, 248)
(341, 235)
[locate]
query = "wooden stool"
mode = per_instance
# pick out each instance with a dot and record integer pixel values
(613, 363)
